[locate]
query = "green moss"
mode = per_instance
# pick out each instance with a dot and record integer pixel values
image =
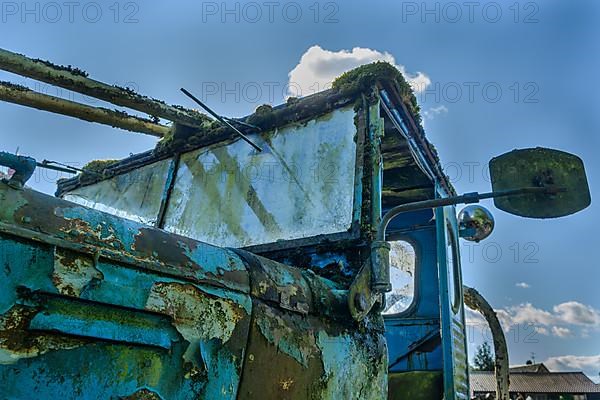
(263, 116)
(14, 86)
(181, 135)
(263, 109)
(97, 167)
(68, 68)
(364, 77)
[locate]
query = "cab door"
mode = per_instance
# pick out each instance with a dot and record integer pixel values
(456, 380)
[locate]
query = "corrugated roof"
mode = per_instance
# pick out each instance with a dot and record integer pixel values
(525, 382)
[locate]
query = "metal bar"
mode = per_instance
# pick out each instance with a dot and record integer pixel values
(167, 191)
(220, 119)
(46, 163)
(237, 121)
(56, 168)
(25, 97)
(69, 79)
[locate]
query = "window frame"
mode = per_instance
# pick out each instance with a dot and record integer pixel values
(451, 241)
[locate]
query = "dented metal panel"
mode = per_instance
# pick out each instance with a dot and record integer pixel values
(301, 185)
(135, 195)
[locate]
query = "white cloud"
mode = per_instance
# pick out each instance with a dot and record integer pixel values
(523, 285)
(319, 67)
(528, 314)
(561, 332)
(588, 364)
(541, 330)
(432, 112)
(568, 313)
(576, 313)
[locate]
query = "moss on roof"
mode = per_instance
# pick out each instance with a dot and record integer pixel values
(364, 77)
(180, 135)
(97, 167)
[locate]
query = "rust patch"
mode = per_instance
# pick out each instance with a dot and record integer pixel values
(16, 342)
(124, 241)
(166, 248)
(291, 356)
(83, 232)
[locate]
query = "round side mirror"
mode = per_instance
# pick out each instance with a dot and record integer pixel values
(475, 223)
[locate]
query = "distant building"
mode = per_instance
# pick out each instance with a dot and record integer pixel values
(539, 383)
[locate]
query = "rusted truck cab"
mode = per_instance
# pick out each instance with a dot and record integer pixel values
(207, 269)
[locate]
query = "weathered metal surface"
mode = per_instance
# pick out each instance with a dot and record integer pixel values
(135, 195)
(413, 337)
(301, 185)
(93, 306)
(157, 315)
(294, 357)
(416, 385)
(73, 272)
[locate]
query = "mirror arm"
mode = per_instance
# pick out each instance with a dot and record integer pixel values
(467, 198)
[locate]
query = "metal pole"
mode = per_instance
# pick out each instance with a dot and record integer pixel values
(71, 79)
(25, 97)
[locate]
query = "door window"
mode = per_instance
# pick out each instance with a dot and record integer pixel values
(403, 262)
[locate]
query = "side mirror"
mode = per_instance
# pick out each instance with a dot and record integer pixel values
(475, 223)
(562, 173)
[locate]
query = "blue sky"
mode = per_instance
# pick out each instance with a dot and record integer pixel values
(501, 75)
